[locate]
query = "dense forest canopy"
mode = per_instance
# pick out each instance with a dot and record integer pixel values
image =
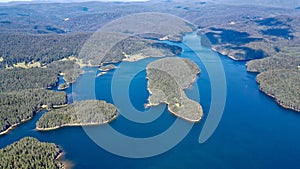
(17, 79)
(167, 79)
(18, 106)
(17, 48)
(280, 76)
(30, 153)
(135, 46)
(282, 84)
(49, 33)
(70, 69)
(88, 112)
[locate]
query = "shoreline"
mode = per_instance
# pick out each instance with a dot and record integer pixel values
(23, 121)
(144, 57)
(9, 129)
(101, 74)
(76, 125)
(276, 100)
(59, 155)
(149, 104)
(60, 106)
(173, 113)
(17, 124)
(225, 53)
(107, 68)
(255, 71)
(65, 164)
(63, 88)
(68, 83)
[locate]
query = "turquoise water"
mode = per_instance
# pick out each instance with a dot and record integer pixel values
(254, 131)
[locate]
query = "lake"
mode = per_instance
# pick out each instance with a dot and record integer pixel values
(254, 131)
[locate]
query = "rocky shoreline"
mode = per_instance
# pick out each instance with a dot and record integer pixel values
(76, 125)
(44, 107)
(278, 102)
(162, 80)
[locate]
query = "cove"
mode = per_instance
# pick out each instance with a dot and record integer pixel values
(254, 131)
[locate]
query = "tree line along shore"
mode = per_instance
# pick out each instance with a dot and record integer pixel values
(30, 153)
(83, 113)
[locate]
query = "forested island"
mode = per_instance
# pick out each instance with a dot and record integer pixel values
(30, 153)
(90, 112)
(167, 79)
(48, 39)
(24, 92)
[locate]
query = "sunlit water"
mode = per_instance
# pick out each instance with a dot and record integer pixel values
(254, 131)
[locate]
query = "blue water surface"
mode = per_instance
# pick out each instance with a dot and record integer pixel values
(253, 133)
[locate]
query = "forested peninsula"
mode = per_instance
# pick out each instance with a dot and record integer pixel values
(30, 153)
(24, 93)
(20, 106)
(280, 77)
(167, 79)
(272, 45)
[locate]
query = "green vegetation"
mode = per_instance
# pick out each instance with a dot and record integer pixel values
(31, 154)
(23, 93)
(273, 41)
(144, 47)
(17, 48)
(283, 85)
(46, 33)
(130, 48)
(167, 79)
(280, 76)
(18, 106)
(273, 63)
(69, 68)
(91, 112)
(17, 79)
(252, 37)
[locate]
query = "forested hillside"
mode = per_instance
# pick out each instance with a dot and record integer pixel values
(18, 106)
(18, 79)
(30, 153)
(280, 76)
(283, 85)
(167, 80)
(68, 68)
(17, 48)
